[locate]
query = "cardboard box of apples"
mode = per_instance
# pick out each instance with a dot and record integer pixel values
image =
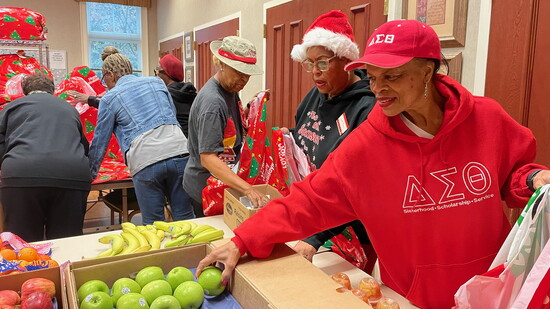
(35, 289)
(152, 288)
(285, 280)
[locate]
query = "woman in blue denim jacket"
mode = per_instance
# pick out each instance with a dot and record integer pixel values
(140, 112)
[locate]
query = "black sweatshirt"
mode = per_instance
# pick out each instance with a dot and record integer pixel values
(42, 144)
(183, 95)
(321, 127)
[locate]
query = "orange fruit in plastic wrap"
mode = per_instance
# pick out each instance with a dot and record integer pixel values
(8, 254)
(52, 263)
(28, 254)
(44, 257)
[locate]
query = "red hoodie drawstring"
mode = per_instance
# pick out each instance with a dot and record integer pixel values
(419, 194)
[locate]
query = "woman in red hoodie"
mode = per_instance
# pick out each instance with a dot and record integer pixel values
(425, 174)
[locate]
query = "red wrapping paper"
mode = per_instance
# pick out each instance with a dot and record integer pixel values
(12, 65)
(22, 24)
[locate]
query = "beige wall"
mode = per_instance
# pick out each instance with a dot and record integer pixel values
(64, 31)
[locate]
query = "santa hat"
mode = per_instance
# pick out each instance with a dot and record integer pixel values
(332, 31)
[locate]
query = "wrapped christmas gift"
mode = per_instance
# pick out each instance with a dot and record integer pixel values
(12, 65)
(90, 77)
(21, 24)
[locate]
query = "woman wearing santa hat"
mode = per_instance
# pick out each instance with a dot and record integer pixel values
(338, 103)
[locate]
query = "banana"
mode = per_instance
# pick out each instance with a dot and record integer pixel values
(152, 238)
(116, 241)
(201, 228)
(207, 235)
(180, 241)
(184, 225)
(141, 239)
(106, 253)
(128, 225)
(141, 228)
(142, 249)
(193, 225)
(161, 234)
(165, 226)
(131, 241)
(151, 227)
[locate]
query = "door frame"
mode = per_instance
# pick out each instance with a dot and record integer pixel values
(210, 24)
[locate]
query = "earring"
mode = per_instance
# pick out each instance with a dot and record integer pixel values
(426, 90)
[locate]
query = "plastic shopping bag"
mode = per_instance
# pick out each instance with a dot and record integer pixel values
(535, 292)
(347, 245)
(499, 287)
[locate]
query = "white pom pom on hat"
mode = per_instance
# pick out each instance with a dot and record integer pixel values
(332, 31)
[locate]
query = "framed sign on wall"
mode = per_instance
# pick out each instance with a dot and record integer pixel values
(189, 74)
(188, 44)
(447, 17)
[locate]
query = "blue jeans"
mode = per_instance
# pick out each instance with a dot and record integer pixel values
(158, 181)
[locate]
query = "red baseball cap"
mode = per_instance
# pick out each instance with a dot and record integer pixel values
(172, 66)
(397, 42)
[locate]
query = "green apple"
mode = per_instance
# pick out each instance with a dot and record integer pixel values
(178, 275)
(124, 286)
(166, 302)
(211, 281)
(154, 289)
(132, 301)
(148, 274)
(97, 300)
(189, 294)
(91, 286)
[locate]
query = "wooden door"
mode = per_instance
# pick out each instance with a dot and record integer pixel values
(517, 69)
(203, 37)
(172, 46)
(285, 27)
(517, 66)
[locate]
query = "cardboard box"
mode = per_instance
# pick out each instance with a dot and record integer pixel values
(14, 282)
(234, 212)
(284, 280)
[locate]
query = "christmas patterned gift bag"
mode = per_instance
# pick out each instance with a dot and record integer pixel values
(21, 24)
(256, 165)
(12, 65)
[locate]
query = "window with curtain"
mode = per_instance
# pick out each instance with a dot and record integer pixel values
(114, 25)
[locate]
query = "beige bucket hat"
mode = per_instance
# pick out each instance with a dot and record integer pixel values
(238, 53)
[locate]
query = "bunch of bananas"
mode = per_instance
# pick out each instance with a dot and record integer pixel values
(141, 238)
(132, 239)
(188, 232)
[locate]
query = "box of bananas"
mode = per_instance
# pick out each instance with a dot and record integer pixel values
(141, 238)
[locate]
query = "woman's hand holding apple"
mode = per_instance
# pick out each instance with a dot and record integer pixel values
(227, 254)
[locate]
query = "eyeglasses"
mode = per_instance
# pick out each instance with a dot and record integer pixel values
(103, 83)
(322, 65)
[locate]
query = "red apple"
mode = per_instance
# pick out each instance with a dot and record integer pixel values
(37, 300)
(37, 285)
(7, 307)
(9, 297)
